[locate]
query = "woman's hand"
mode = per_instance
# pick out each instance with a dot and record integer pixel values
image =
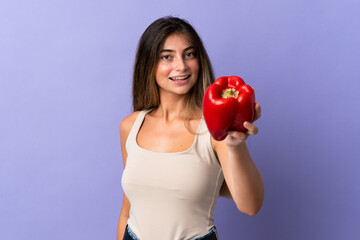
(236, 138)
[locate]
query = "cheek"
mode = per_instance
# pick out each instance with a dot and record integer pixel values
(163, 69)
(195, 67)
(162, 73)
(194, 63)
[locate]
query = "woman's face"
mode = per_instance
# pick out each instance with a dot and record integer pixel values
(178, 67)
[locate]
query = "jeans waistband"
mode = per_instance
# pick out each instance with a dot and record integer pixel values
(211, 235)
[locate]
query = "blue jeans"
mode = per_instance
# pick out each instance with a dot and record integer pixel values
(211, 235)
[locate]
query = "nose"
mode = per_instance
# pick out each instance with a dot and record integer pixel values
(181, 64)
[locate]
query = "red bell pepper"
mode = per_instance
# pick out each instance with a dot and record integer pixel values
(227, 104)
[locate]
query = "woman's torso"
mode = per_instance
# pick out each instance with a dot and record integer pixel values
(172, 194)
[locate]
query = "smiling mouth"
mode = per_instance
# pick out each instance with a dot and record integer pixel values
(180, 78)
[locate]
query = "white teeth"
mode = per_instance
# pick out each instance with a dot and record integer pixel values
(180, 78)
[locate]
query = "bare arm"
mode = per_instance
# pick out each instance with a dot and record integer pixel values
(124, 216)
(125, 127)
(241, 174)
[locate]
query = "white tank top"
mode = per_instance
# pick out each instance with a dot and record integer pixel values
(172, 195)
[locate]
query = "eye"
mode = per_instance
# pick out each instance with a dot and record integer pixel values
(190, 55)
(166, 57)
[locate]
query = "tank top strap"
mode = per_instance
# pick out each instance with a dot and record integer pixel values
(202, 128)
(131, 139)
(204, 142)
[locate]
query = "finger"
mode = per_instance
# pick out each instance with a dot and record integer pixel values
(236, 134)
(235, 137)
(257, 111)
(252, 129)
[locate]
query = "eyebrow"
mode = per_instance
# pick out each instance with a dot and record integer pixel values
(169, 50)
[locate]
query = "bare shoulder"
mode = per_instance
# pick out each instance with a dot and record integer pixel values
(125, 127)
(127, 123)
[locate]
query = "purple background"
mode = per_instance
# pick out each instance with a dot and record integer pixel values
(65, 77)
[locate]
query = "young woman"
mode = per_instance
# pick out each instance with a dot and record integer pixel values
(174, 170)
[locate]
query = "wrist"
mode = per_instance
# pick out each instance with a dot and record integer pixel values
(237, 147)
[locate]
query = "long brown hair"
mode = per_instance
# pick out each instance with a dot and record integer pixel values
(145, 89)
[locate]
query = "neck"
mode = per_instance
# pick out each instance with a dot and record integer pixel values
(171, 107)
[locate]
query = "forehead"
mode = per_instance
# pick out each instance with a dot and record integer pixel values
(176, 40)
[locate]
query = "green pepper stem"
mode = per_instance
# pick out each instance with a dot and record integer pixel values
(229, 92)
